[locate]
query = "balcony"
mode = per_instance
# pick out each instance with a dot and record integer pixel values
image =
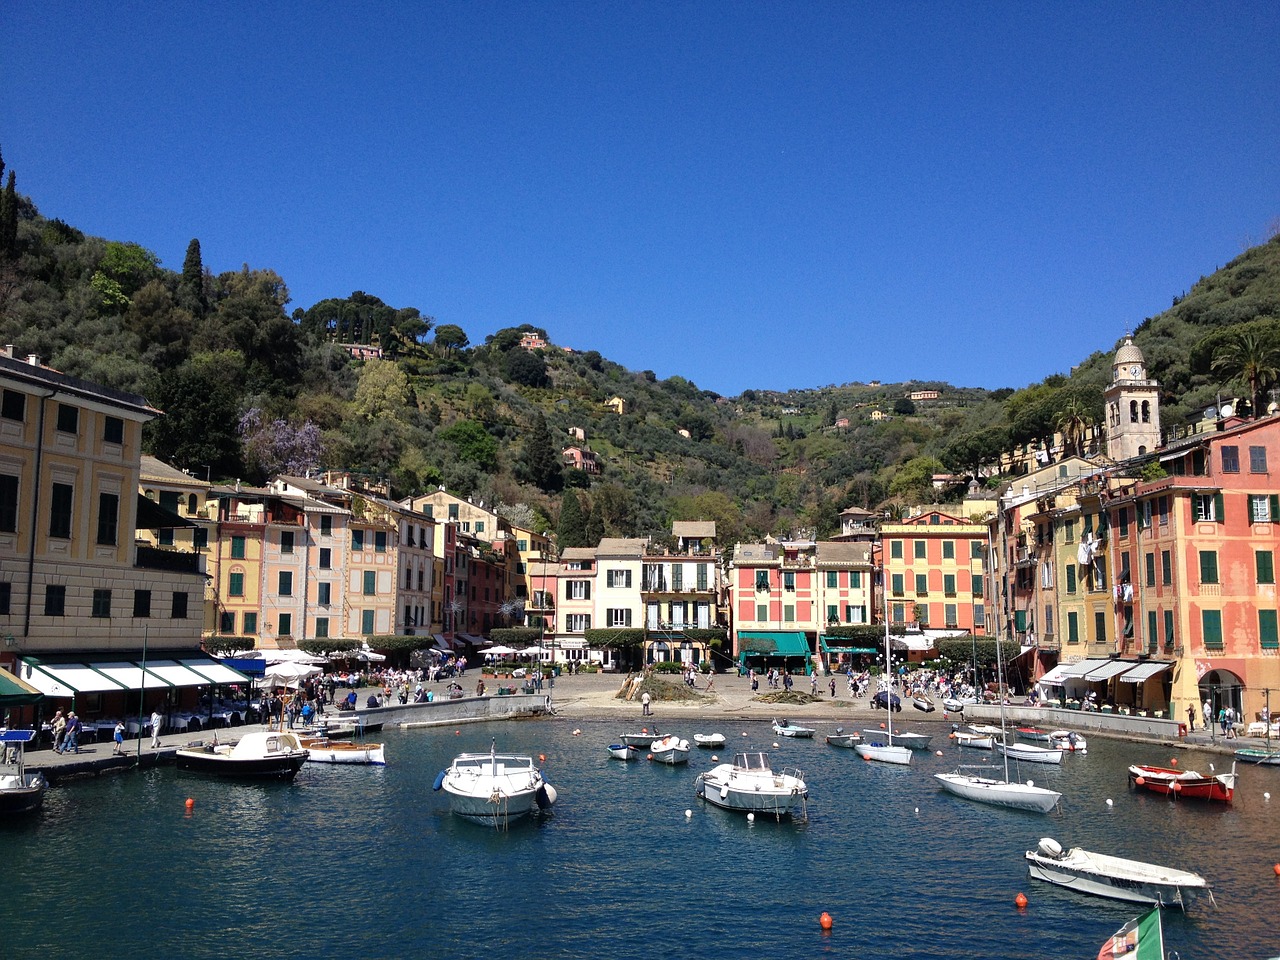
(155, 558)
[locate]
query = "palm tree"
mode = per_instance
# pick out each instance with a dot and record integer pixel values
(1252, 357)
(1072, 422)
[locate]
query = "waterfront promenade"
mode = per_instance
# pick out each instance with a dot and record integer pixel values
(594, 696)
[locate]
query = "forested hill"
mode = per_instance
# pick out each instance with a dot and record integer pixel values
(250, 389)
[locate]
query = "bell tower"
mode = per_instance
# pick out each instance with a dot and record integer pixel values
(1133, 405)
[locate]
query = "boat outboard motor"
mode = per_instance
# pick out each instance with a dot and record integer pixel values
(1050, 848)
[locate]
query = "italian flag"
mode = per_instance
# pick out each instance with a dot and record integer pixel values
(1139, 939)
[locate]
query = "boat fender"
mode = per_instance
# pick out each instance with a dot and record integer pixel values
(439, 780)
(1050, 847)
(546, 796)
(724, 792)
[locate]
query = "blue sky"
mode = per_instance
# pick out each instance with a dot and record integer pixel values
(748, 195)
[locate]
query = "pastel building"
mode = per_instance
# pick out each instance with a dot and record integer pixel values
(934, 565)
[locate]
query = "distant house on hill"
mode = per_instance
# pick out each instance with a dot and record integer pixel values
(578, 433)
(617, 405)
(532, 341)
(915, 396)
(362, 351)
(878, 415)
(842, 422)
(581, 458)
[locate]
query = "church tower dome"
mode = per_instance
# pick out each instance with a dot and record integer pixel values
(1133, 405)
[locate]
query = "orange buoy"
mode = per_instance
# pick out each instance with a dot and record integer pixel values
(1139, 780)
(1020, 900)
(1173, 762)
(457, 733)
(644, 729)
(190, 803)
(649, 757)
(951, 735)
(1276, 868)
(824, 921)
(868, 759)
(542, 758)
(1177, 787)
(882, 726)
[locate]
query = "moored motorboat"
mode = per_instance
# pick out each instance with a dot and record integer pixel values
(976, 741)
(999, 793)
(785, 728)
(1115, 877)
(639, 740)
(1030, 752)
(620, 751)
(1258, 755)
(912, 741)
(1068, 740)
(494, 789)
(670, 750)
(20, 792)
(1184, 783)
(985, 728)
(255, 756)
(841, 739)
(750, 785)
(709, 741)
(322, 750)
(1033, 733)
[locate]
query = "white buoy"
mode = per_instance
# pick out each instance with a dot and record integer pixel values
(688, 814)
(1109, 802)
(1266, 796)
(775, 743)
(1031, 783)
(714, 758)
(917, 809)
(751, 818)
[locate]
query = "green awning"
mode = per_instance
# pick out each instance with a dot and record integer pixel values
(784, 643)
(825, 644)
(15, 693)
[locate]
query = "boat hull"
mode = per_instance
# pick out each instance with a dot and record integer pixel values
(1254, 755)
(19, 796)
(709, 741)
(1184, 784)
(884, 753)
(788, 730)
(846, 740)
(341, 751)
(1080, 871)
(620, 751)
(1029, 753)
(751, 785)
(494, 789)
(284, 767)
(999, 793)
(488, 811)
(976, 741)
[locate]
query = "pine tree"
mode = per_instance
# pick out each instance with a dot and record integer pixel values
(572, 530)
(541, 462)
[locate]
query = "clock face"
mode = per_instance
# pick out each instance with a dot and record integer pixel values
(1134, 371)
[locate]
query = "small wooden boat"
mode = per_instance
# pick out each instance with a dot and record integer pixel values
(669, 750)
(924, 703)
(1033, 733)
(985, 728)
(1115, 877)
(976, 741)
(842, 739)
(639, 740)
(1258, 755)
(709, 741)
(785, 728)
(255, 756)
(1184, 783)
(620, 751)
(957, 704)
(912, 741)
(321, 750)
(1030, 752)
(20, 792)
(1068, 740)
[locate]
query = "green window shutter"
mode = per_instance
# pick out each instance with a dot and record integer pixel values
(977, 585)
(1268, 636)
(855, 580)
(1073, 628)
(1151, 569)
(1071, 578)
(922, 583)
(895, 549)
(1219, 514)
(833, 612)
(1211, 625)
(1153, 626)
(949, 584)
(1020, 620)
(1168, 628)
(1275, 507)
(896, 583)
(762, 613)
(832, 579)
(1266, 566)
(1208, 566)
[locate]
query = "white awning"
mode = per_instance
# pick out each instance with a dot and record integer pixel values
(176, 674)
(1080, 668)
(81, 678)
(1055, 676)
(1109, 670)
(46, 684)
(131, 676)
(215, 672)
(914, 643)
(1145, 671)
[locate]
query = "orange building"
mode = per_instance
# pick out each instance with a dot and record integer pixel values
(933, 566)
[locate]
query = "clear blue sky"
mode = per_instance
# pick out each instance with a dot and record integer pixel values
(765, 195)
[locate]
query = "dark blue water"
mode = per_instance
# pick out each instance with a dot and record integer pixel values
(368, 862)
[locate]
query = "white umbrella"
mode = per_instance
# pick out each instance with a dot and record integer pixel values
(533, 651)
(287, 674)
(501, 651)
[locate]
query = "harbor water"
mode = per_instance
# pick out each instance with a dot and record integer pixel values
(369, 863)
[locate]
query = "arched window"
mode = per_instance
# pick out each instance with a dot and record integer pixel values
(1142, 450)
(1115, 414)
(1133, 411)
(1146, 411)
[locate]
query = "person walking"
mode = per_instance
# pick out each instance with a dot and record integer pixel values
(644, 702)
(1191, 717)
(157, 725)
(59, 727)
(71, 742)
(118, 736)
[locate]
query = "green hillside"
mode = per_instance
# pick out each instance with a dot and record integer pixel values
(250, 389)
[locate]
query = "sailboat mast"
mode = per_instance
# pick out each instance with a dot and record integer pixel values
(888, 660)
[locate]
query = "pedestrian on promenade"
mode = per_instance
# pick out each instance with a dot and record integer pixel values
(157, 724)
(832, 685)
(711, 682)
(118, 736)
(71, 742)
(1207, 715)
(1191, 717)
(813, 683)
(644, 702)
(59, 727)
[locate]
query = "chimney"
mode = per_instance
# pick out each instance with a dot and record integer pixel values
(33, 360)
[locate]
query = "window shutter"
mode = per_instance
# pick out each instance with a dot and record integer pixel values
(587, 594)
(1219, 514)
(568, 590)
(628, 585)
(1275, 508)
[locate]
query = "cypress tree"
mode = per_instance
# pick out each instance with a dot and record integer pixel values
(572, 530)
(193, 273)
(594, 527)
(541, 462)
(9, 219)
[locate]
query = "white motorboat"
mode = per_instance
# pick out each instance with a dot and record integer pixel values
(1068, 741)
(639, 740)
(912, 741)
(275, 755)
(841, 739)
(924, 703)
(709, 741)
(999, 793)
(976, 741)
(620, 751)
(494, 789)
(957, 704)
(20, 792)
(785, 728)
(1030, 752)
(750, 785)
(1115, 877)
(986, 728)
(322, 750)
(670, 750)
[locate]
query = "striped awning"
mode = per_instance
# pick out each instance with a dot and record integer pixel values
(65, 675)
(1108, 670)
(1145, 671)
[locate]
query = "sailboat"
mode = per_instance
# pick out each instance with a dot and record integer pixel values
(999, 793)
(874, 746)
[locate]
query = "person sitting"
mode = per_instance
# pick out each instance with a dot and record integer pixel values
(373, 701)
